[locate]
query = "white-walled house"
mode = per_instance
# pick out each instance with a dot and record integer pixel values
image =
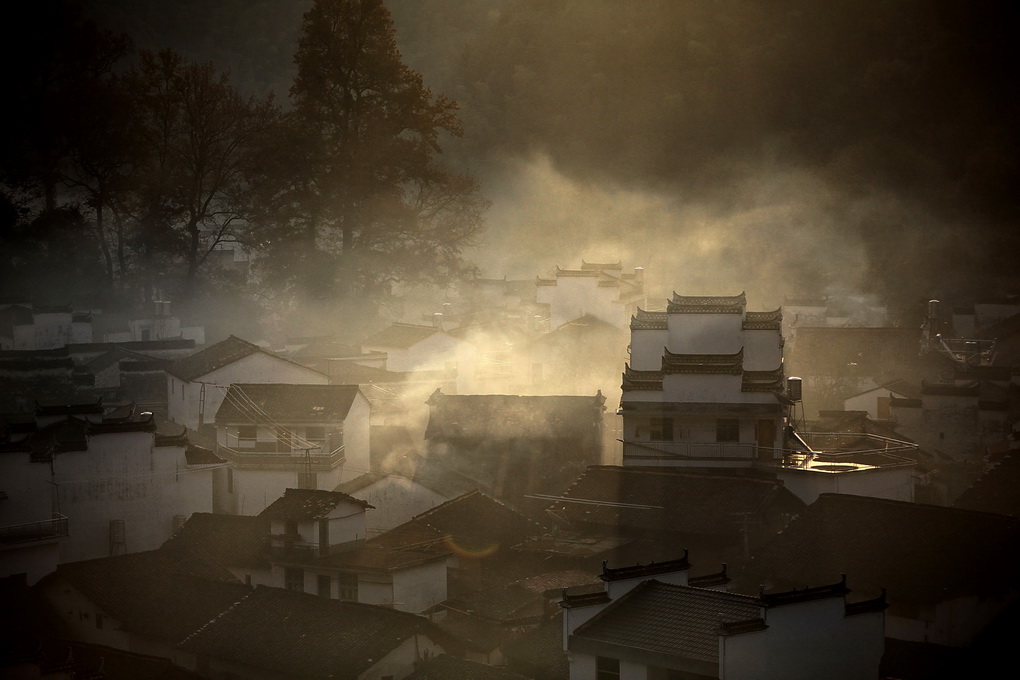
(275, 634)
(651, 623)
(413, 347)
(197, 384)
(601, 290)
(278, 436)
(112, 484)
(877, 401)
(948, 572)
(317, 545)
(705, 384)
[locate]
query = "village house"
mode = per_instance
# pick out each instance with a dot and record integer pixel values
(238, 543)
(144, 602)
(654, 511)
(602, 290)
(416, 348)
(278, 436)
(705, 384)
(174, 604)
(902, 548)
(706, 387)
(25, 326)
(197, 384)
(317, 545)
(652, 622)
(99, 481)
(477, 535)
(405, 492)
(276, 634)
(513, 446)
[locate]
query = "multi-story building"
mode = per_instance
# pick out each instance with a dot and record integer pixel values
(705, 384)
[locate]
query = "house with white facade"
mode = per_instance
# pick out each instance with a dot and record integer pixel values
(276, 634)
(706, 387)
(652, 622)
(278, 436)
(417, 348)
(948, 572)
(705, 384)
(317, 545)
(102, 483)
(25, 326)
(602, 290)
(144, 602)
(197, 384)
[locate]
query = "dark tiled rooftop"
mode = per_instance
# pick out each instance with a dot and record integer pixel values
(446, 667)
(303, 504)
(998, 490)
(300, 635)
(286, 403)
(671, 501)
(670, 619)
(229, 540)
(400, 335)
(481, 416)
(920, 553)
(185, 588)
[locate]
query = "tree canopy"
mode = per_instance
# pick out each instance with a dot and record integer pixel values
(359, 200)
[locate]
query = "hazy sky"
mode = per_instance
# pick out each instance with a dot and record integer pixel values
(787, 148)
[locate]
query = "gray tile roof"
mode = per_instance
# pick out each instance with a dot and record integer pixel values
(670, 619)
(675, 501)
(166, 593)
(303, 504)
(305, 636)
(919, 553)
(998, 490)
(213, 357)
(400, 336)
(229, 540)
(286, 403)
(447, 667)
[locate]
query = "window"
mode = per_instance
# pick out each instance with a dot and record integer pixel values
(323, 536)
(727, 430)
(246, 435)
(660, 429)
(284, 440)
(348, 584)
(316, 434)
(607, 669)
(294, 579)
(324, 586)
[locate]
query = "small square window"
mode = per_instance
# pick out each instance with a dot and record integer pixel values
(727, 430)
(660, 429)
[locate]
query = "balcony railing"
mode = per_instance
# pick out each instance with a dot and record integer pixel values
(702, 450)
(301, 461)
(830, 445)
(34, 531)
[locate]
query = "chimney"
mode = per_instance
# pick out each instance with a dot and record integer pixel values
(437, 320)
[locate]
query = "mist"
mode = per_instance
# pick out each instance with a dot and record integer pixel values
(787, 150)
